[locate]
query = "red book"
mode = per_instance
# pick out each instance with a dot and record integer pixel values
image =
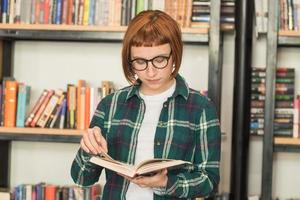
(50, 192)
(36, 107)
(42, 108)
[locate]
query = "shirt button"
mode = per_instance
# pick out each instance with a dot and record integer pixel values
(157, 143)
(165, 105)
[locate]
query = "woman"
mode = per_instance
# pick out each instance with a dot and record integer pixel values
(158, 116)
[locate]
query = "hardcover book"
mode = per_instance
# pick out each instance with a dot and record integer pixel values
(145, 168)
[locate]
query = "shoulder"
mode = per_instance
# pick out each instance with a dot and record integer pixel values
(202, 101)
(119, 95)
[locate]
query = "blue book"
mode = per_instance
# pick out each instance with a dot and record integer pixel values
(92, 12)
(58, 12)
(23, 101)
(4, 7)
(63, 114)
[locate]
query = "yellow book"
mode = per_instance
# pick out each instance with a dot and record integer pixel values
(86, 12)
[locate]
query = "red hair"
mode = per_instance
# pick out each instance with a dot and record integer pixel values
(151, 28)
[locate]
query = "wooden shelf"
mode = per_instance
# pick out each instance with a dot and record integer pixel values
(41, 134)
(289, 33)
(282, 144)
(84, 33)
(287, 141)
(289, 38)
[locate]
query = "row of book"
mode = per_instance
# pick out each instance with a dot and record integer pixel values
(72, 109)
(258, 88)
(286, 118)
(284, 102)
(289, 15)
(201, 13)
(43, 191)
(106, 12)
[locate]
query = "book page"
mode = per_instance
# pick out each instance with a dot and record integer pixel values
(158, 164)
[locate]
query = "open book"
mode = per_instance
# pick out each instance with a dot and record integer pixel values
(145, 168)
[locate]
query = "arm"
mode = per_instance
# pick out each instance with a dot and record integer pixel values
(83, 172)
(203, 177)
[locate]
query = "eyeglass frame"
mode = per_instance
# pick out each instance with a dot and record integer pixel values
(150, 60)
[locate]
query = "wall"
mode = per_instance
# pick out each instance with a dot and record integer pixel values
(54, 64)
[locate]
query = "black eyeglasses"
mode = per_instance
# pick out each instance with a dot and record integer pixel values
(159, 62)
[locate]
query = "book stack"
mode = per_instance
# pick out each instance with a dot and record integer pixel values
(258, 94)
(284, 102)
(43, 191)
(201, 13)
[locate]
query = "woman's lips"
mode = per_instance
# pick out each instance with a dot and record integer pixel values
(153, 80)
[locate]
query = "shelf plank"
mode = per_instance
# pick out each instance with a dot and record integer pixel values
(287, 144)
(287, 141)
(80, 28)
(84, 33)
(289, 33)
(41, 134)
(289, 38)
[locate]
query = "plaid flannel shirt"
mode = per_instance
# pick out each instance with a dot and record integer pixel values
(188, 129)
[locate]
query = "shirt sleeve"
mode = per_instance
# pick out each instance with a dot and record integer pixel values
(83, 172)
(202, 179)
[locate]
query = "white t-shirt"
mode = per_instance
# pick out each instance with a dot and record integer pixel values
(145, 144)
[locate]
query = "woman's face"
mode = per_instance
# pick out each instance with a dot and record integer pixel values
(154, 80)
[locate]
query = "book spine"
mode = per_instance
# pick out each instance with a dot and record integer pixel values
(23, 101)
(57, 114)
(41, 109)
(36, 107)
(62, 115)
(48, 109)
(10, 103)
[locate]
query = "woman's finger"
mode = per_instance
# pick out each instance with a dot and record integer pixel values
(89, 144)
(83, 146)
(100, 139)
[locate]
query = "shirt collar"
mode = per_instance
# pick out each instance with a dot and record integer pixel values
(181, 89)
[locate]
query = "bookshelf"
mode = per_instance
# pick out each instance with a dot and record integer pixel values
(41, 134)
(9, 33)
(271, 144)
(83, 33)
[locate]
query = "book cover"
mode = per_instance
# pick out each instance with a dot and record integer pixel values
(23, 101)
(57, 114)
(49, 108)
(36, 107)
(55, 110)
(42, 108)
(10, 103)
(144, 168)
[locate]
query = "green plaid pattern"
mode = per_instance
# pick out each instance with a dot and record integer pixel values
(188, 129)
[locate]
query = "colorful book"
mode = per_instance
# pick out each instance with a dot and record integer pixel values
(23, 102)
(10, 103)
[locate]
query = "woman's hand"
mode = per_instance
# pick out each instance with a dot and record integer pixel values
(93, 142)
(160, 179)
